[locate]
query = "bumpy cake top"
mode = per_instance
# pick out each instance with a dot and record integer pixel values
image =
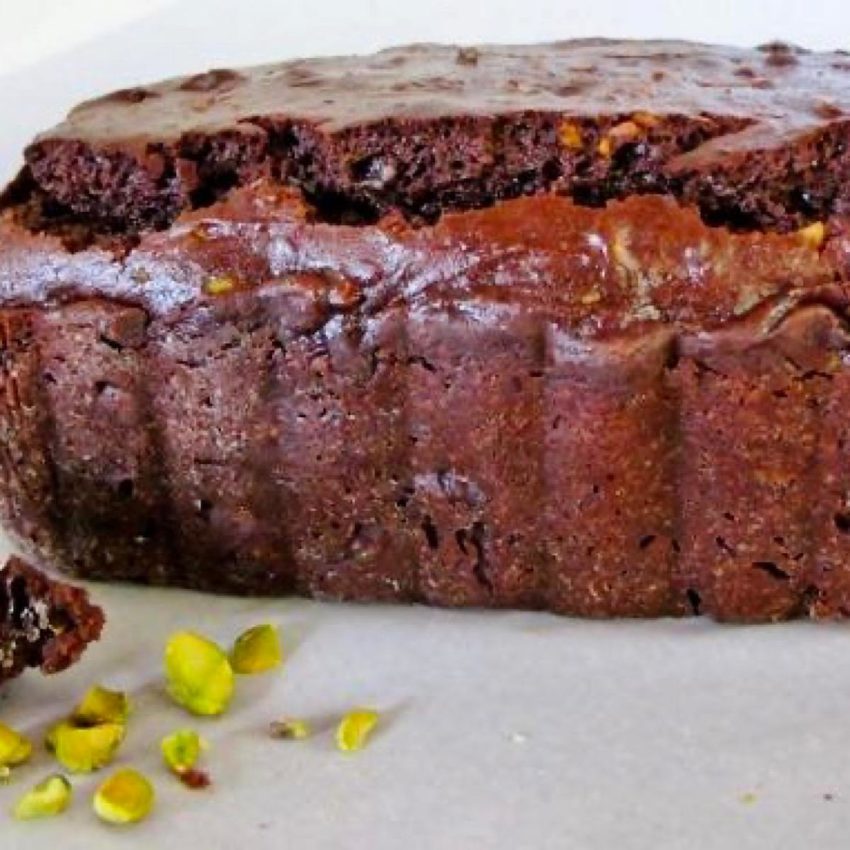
(754, 138)
(777, 90)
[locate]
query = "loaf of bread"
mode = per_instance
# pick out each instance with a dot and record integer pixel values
(558, 327)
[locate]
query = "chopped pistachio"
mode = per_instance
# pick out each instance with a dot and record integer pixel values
(182, 749)
(82, 749)
(218, 285)
(5, 773)
(256, 650)
(15, 749)
(645, 119)
(100, 705)
(53, 732)
(569, 135)
(203, 231)
(125, 797)
(198, 674)
(49, 797)
(625, 131)
(813, 236)
(354, 729)
(290, 729)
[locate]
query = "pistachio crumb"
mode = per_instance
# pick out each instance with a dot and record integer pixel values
(15, 748)
(101, 705)
(256, 650)
(182, 749)
(290, 729)
(198, 674)
(625, 131)
(813, 236)
(125, 797)
(354, 729)
(645, 119)
(218, 285)
(569, 135)
(83, 749)
(49, 797)
(204, 231)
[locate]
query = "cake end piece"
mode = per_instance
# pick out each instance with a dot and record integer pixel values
(44, 623)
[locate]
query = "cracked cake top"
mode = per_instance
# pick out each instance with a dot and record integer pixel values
(754, 138)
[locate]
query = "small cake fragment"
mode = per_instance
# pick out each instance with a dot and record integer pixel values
(44, 623)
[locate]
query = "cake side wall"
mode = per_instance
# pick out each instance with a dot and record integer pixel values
(611, 456)
(463, 454)
(339, 457)
(106, 486)
(751, 471)
(27, 495)
(830, 566)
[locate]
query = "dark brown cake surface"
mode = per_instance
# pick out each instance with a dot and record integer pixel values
(779, 87)
(44, 623)
(559, 327)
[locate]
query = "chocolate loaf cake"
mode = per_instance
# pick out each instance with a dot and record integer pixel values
(558, 327)
(44, 623)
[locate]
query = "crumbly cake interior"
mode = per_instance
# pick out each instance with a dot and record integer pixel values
(751, 139)
(43, 623)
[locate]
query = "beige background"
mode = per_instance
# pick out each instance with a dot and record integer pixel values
(503, 730)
